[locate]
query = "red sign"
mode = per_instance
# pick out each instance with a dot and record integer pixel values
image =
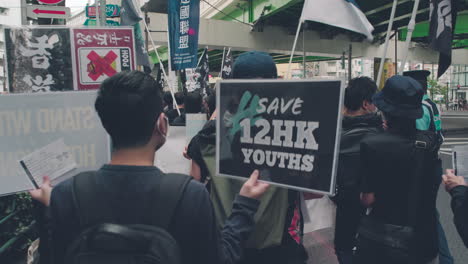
(100, 53)
(50, 2)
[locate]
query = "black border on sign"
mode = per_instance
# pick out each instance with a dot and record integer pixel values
(337, 138)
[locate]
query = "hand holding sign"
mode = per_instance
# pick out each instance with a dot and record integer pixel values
(43, 194)
(252, 188)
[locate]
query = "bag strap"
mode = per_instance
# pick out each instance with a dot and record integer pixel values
(420, 148)
(93, 208)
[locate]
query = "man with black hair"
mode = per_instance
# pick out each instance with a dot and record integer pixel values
(129, 105)
(173, 114)
(192, 105)
(360, 121)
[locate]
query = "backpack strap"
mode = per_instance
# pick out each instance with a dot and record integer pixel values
(170, 191)
(420, 149)
(93, 208)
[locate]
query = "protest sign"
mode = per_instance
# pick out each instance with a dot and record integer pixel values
(38, 59)
(43, 59)
(289, 130)
(29, 122)
(101, 53)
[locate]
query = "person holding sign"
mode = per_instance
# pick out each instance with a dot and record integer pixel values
(402, 192)
(458, 189)
(277, 237)
(130, 190)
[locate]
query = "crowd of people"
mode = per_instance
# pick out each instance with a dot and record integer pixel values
(387, 183)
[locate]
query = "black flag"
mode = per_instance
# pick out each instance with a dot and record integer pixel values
(443, 16)
(203, 69)
(227, 65)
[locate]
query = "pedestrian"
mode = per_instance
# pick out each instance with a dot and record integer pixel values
(277, 238)
(397, 184)
(130, 192)
(458, 189)
(180, 102)
(431, 121)
(360, 121)
(192, 105)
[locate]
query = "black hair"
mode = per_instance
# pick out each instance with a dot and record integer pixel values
(179, 98)
(402, 125)
(168, 99)
(193, 103)
(359, 90)
(129, 104)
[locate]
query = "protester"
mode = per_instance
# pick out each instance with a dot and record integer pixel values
(277, 237)
(398, 182)
(129, 105)
(168, 108)
(360, 120)
(431, 121)
(180, 99)
(192, 104)
(458, 189)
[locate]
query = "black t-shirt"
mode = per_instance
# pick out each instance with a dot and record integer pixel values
(193, 225)
(388, 170)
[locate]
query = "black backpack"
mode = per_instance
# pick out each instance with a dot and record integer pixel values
(103, 240)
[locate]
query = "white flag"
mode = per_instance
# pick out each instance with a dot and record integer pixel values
(339, 13)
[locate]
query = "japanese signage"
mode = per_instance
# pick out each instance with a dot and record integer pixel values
(43, 59)
(289, 130)
(111, 11)
(183, 21)
(31, 121)
(39, 59)
(101, 53)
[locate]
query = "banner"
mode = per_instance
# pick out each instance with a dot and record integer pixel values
(226, 70)
(289, 130)
(43, 59)
(41, 120)
(443, 16)
(183, 21)
(38, 59)
(101, 53)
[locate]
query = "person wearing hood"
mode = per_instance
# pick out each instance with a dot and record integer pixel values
(360, 121)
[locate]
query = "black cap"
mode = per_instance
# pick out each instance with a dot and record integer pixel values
(401, 96)
(420, 76)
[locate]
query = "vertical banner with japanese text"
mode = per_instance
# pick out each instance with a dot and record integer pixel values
(100, 53)
(45, 59)
(38, 59)
(183, 21)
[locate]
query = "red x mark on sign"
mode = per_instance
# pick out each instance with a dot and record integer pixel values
(99, 66)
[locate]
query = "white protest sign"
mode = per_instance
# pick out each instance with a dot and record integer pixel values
(169, 158)
(29, 122)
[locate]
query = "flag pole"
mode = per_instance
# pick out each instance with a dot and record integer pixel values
(387, 39)
(222, 64)
(411, 26)
(161, 65)
(294, 47)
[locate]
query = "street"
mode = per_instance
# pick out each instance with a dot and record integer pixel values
(319, 244)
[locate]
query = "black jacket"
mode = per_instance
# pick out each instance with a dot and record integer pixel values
(354, 130)
(460, 211)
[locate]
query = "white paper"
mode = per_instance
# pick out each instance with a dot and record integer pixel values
(460, 160)
(53, 160)
(194, 123)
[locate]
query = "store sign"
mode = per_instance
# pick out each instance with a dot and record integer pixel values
(111, 11)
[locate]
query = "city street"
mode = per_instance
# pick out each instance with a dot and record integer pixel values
(319, 244)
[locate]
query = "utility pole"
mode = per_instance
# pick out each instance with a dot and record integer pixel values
(350, 58)
(102, 12)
